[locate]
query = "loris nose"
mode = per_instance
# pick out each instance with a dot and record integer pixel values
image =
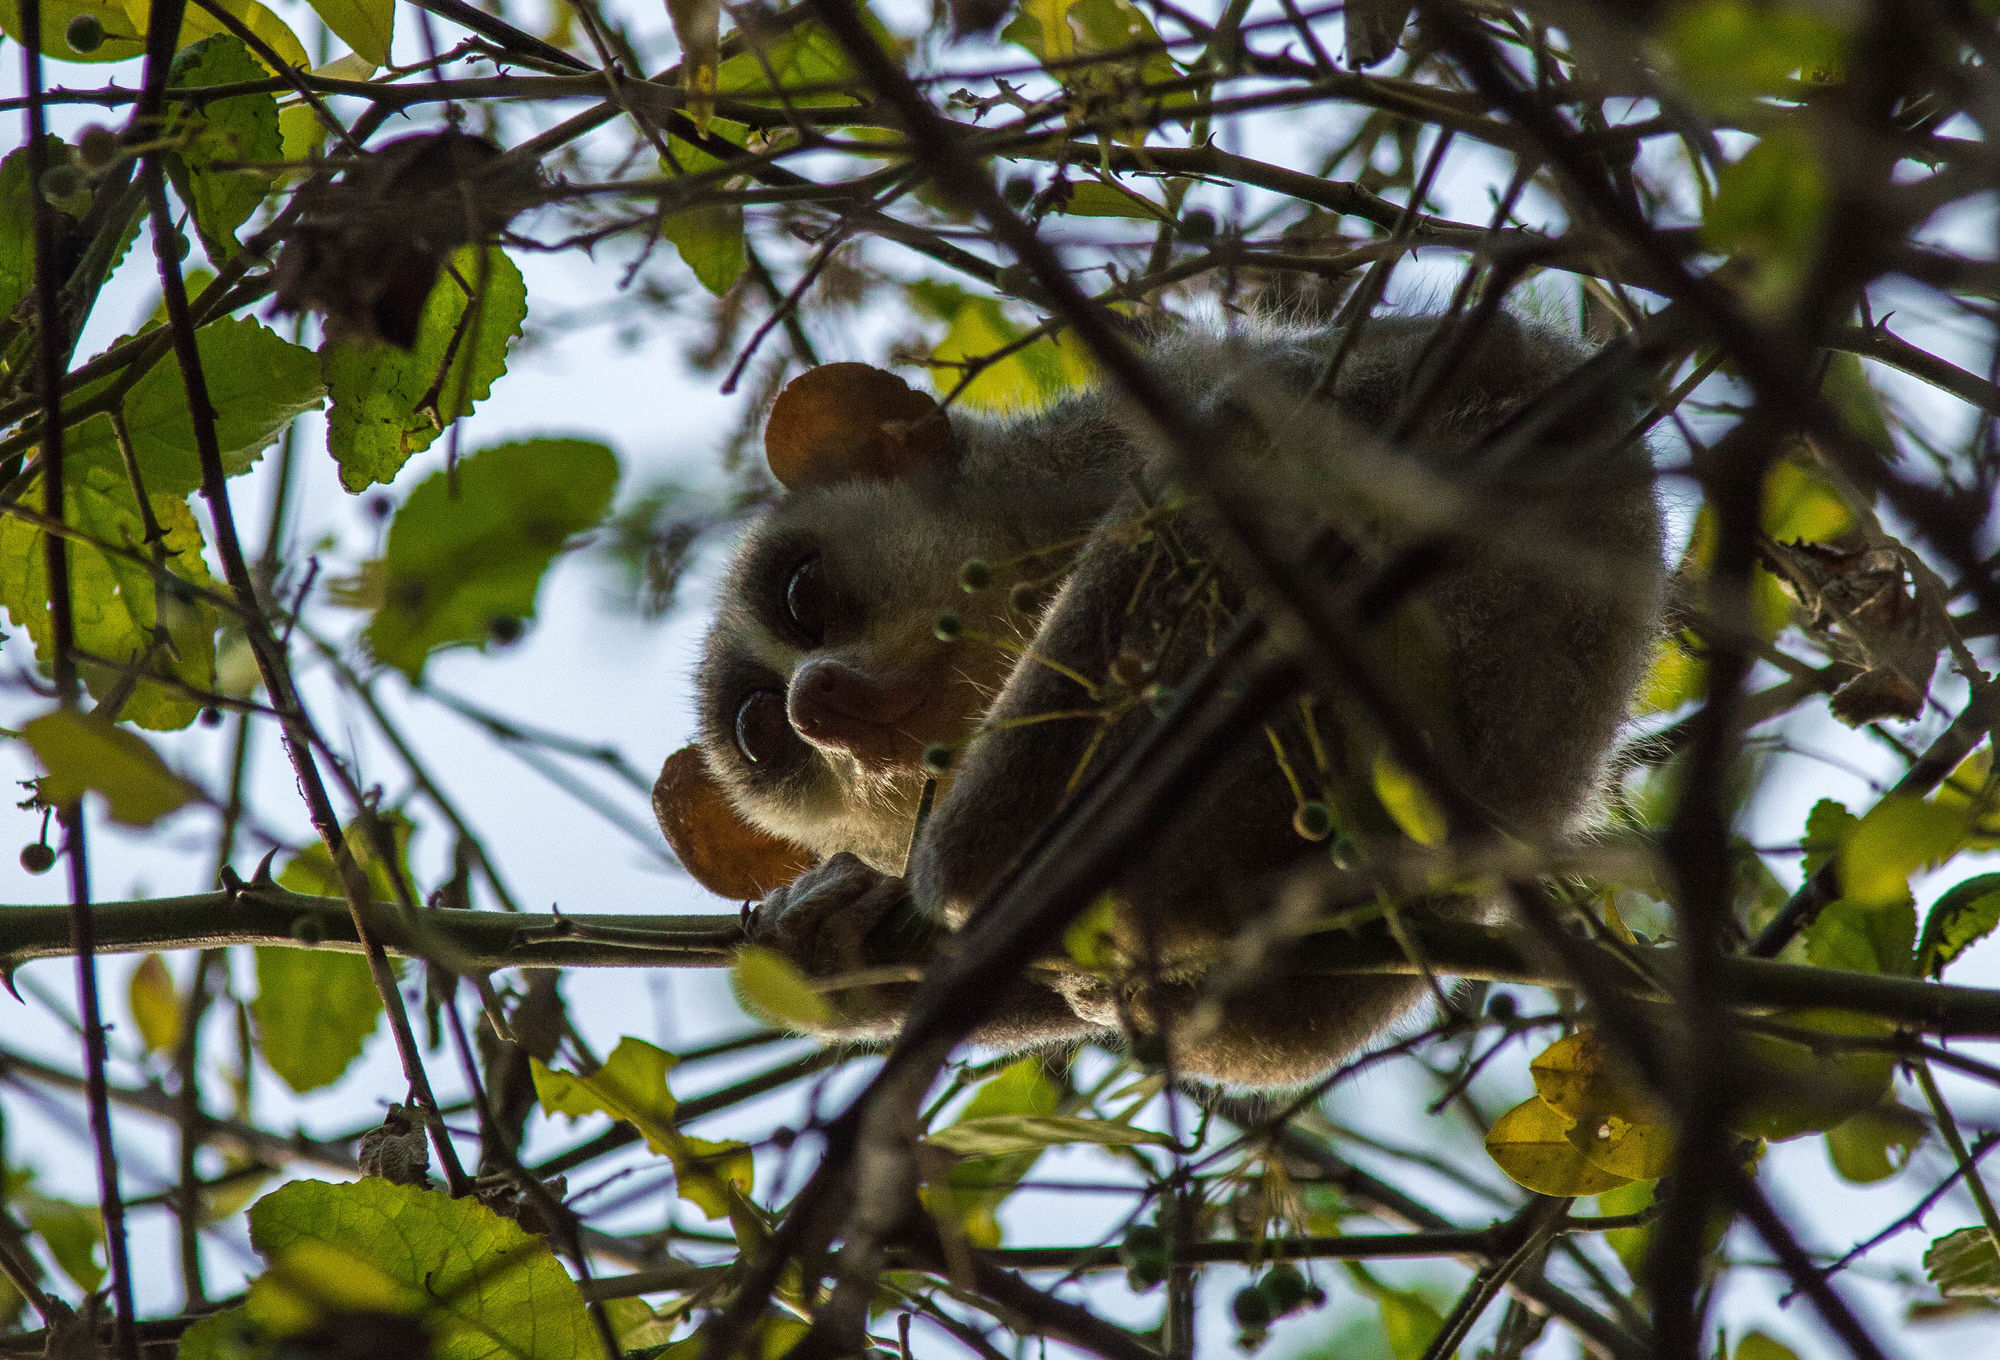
(832, 703)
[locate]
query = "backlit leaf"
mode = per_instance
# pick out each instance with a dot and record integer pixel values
(119, 611)
(83, 752)
(240, 128)
(1531, 1143)
(632, 1086)
(1898, 836)
(1728, 53)
(468, 549)
(122, 38)
(1618, 1125)
(1809, 1084)
(1757, 1346)
(367, 26)
(476, 1283)
(1861, 938)
(1405, 801)
(156, 1010)
(1964, 1264)
(315, 1010)
(388, 404)
(1876, 1143)
(710, 241)
(1001, 1135)
(1962, 916)
(1828, 826)
(73, 1233)
(974, 1189)
(257, 382)
(771, 987)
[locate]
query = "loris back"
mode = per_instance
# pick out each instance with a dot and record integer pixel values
(1018, 592)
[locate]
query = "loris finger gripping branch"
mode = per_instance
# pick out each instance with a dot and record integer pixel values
(999, 604)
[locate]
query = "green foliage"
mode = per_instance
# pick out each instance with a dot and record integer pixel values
(632, 1086)
(1022, 379)
(257, 383)
(771, 987)
(1757, 1346)
(367, 26)
(471, 544)
(1876, 1143)
(474, 1282)
(1410, 1319)
(155, 1006)
(86, 752)
(976, 1187)
(1965, 1264)
(1731, 53)
(388, 404)
(122, 39)
(1896, 838)
(241, 128)
(1828, 827)
(17, 221)
(1807, 1081)
(316, 1008)
(73, 1233)
(1770, 207)
(1865, 938)
(1963, 915)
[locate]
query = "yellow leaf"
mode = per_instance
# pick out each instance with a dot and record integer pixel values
(1894, 839)
(1402, 799)
(771, 987)
(367, 26)
(199, 24)
(155, 1009)
(1619, 1126)
(698, 24)
(85, 753)
(1531, 1143)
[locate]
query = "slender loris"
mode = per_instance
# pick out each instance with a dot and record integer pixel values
(1000, 603)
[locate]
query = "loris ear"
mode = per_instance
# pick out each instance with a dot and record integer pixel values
(852, 422)
(726, 855)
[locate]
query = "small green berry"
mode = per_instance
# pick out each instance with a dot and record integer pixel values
(1018, 191)
(1501, 1006)
(975, 575)
(211, 717)
(60, 182)
(937, 757)
(1198, 224)
(37, 858)
(1251, 1309)
(1313, 821)
(1284, 1286)
(97, 146)
(950, 627)
(1344, 852)
(308, 930)
(84, 34)
(1160, 698)
(1023, 598)
(504, 629)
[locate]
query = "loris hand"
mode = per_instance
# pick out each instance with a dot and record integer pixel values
(822, 919)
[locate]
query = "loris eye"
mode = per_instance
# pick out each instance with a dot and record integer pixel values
(807, 602)
(763, 732)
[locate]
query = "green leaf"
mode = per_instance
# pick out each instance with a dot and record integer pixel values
(1630, 1244)
(1876, 1143)
(1809, 1084)
(1023, 380)
(1965, 914)
(243, 127)
(479, 1285)
(17, 227)
(1730, 53)
(72, 1233)
(1678, 676)
(1409, 1319)
(1094, 198)
(1864, 938)
(197, 24)
(973, 1190)
(258, 384)
(771, 987)
(367, 26)
(810, 67)
(119, 611)
(710, 241)
(1828, 826)
(156, 1009)
(1964, 1264)
(315, 1010)
(1406, 802)
(1757, 1346)
(632, 1086)
(122, 38)
(85, 752)
(1770, 208)
(1003, 1135)
(311, 870)
(469, 549)
(1898, 836)
(388, 404)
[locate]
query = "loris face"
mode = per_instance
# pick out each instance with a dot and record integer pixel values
(825, 679)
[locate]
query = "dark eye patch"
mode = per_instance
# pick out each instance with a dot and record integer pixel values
(763, 733)
(808, 601)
